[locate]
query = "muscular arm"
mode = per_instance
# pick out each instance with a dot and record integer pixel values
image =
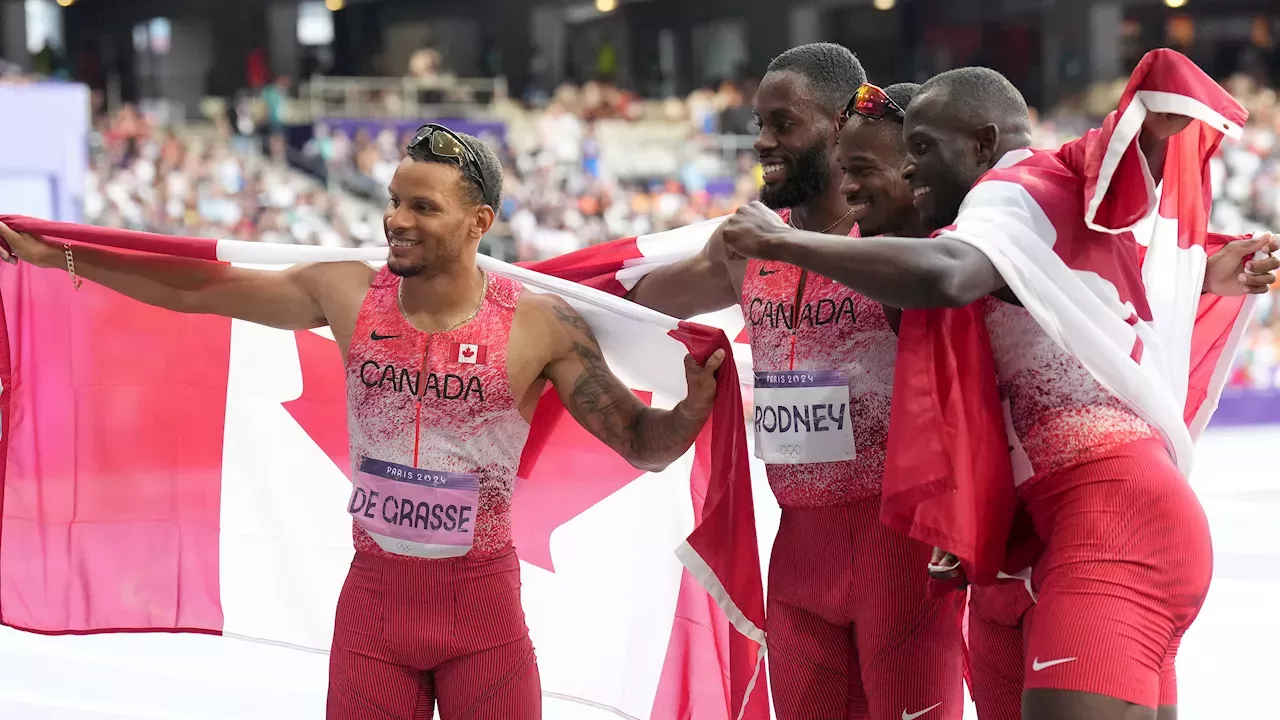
(701, 284)
(284, 299)
(647, 438)
(906, 273)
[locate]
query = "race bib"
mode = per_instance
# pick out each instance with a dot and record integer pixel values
(415, 512)
(803, 417)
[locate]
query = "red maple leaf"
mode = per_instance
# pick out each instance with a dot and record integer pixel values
(573, 470)
(468, 352)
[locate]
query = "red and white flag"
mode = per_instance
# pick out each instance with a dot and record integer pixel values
(469, 354)
(1112, 268)
(169, 472)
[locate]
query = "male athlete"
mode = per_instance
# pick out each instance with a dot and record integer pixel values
(1127, 558)
(852, 632)
(445, 364)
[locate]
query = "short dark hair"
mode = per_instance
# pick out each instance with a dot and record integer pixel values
(833, 71)
(981, 95)
(487, 166)
(902, 93)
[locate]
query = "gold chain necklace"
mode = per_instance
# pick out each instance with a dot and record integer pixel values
(484, 292)
(791, 221)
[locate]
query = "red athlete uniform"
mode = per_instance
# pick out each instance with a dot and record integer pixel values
(430, 612)
(1127, 557)
(851, 631)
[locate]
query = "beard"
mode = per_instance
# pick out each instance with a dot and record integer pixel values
(408, 269)
(430, 263)
(807, 177)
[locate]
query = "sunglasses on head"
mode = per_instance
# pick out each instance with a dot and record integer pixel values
(872, 102)
(442, 142)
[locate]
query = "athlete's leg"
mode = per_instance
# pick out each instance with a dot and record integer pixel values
(365, 682)
(811, 648)
(809, 665)
(995, 658)
(1073, 705)
(908, 628)
(1169, 681)
(492, 671)
(856, 707)
(1126, 568)
(500, 682)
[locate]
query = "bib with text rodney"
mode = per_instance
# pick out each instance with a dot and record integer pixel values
(802, 416)
(409, 511)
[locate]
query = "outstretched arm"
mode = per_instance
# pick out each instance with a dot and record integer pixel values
(900, 272)
(283, 299)
(647, 438)
(704, 283)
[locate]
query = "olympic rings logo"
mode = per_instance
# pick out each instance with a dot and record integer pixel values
(789, 452)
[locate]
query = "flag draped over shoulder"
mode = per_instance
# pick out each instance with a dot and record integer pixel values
(1111, 267)
(171, 472)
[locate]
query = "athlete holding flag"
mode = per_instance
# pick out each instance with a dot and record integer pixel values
(445, 364)
(1127, 557)
(853, 630)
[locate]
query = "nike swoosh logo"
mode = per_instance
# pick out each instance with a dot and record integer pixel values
(912, 716)
(375, 336)
(766, 273)
(1037, 666)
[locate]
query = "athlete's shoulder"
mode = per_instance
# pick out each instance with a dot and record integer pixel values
(1045, 176)
(542, 306)
(337, 281)
(503, 291)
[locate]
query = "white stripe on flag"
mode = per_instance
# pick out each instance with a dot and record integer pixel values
(260, 253)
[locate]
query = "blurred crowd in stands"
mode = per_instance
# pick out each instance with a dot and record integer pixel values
(567, 181)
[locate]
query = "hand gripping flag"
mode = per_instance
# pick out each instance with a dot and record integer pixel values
(1112, 268)
(170, 472)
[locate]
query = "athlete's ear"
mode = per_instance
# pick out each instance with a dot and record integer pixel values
(484, 219)
(985, 141)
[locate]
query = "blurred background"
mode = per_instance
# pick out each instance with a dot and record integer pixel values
(282, 120)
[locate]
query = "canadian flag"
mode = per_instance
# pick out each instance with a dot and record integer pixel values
(1112, 267)
(168, 472)
(469, 354)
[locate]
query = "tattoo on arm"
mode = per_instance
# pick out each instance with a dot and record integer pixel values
(608, 409)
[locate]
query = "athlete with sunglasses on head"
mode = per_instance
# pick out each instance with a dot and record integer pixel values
(445, 364)
(852, 631)
(1126, 558)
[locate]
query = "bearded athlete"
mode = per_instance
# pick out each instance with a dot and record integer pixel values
(445, 364)
(1116, 589)
(852, 631)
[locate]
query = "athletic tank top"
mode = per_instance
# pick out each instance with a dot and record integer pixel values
(439, 403)
(836, 329)
(1059, 413)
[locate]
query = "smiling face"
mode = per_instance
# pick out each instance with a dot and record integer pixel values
(431, 221)
(795, 141)
(871, 155)
(942, 159)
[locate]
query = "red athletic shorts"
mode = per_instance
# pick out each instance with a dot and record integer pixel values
(1125, 570)
(996, 621)
(852, 631)
(412, 633)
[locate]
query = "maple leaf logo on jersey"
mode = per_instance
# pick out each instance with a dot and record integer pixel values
(469, 354)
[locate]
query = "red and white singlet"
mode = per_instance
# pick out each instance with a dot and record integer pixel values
(822, 387)
(1059, 413)
(436, 435)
